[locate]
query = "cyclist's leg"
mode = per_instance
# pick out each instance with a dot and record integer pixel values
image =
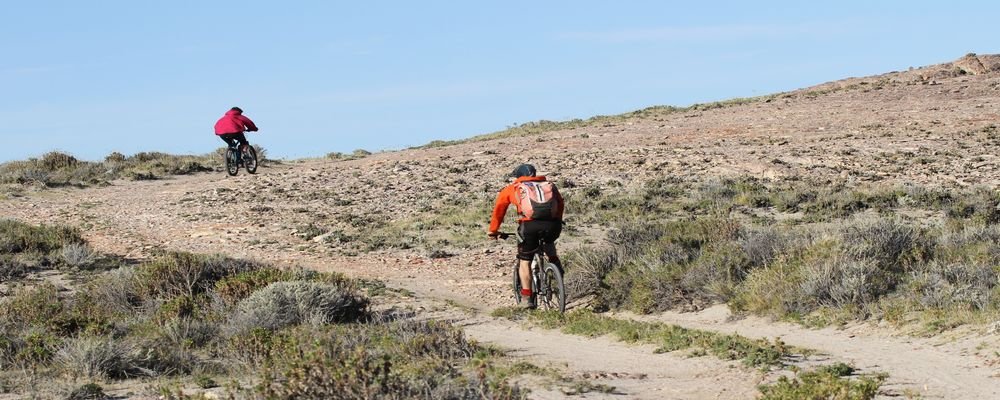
(228, 139)
(528, 235)
(551, 234)
(242, 138)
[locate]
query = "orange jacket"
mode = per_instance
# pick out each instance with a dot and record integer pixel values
(508, 196)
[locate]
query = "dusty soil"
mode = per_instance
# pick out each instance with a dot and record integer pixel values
(929, 126)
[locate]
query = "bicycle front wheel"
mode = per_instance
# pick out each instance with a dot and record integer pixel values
(250, 159)
(232, 162)
(553, 292)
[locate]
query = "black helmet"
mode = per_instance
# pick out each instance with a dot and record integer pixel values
(523, 170)
(237, 109)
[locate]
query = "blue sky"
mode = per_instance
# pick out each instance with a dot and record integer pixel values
(319, 76)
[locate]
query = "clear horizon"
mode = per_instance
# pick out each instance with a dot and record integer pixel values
(319, 77)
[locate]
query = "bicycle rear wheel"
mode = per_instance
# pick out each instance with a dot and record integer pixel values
(250, 159)
(232, 163)
(553, 292)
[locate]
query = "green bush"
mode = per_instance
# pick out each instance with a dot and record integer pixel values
(178, 274)
(396, 360)
(829, 382)
(17, 237)
(89, 391)
(60, 169)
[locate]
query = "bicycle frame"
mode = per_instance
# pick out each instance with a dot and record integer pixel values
(542, 288)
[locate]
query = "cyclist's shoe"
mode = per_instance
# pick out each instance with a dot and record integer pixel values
(527, 302)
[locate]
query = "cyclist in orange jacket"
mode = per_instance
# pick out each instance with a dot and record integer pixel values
(540, 213)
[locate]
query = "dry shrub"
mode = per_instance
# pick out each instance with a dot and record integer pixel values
(843, 282)
(773, 291)
(17, 237)
(115, 292)
(397, 360)
(78, 255)
(949, 286)
(97, 358)
(55, 160)
(761, 246)
(888, 242)
(12, 268)
(589, 267)
(283, 304)
(32, 306)
(182, 332)
(157, 357)
(177, 274)
(714, 275)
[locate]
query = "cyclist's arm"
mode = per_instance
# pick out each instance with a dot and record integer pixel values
(500, 209)
(562, 204)
(250, 127)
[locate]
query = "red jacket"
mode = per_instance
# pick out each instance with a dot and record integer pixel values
(509, 195)
(234, 122)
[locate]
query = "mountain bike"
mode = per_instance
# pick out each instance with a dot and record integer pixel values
(235, 158)
(546, 280)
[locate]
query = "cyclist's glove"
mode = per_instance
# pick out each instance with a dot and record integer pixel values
(493, 235)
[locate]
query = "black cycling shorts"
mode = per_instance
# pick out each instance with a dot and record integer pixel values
(530, 233)
(231, 138)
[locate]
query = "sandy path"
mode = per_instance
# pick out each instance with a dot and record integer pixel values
(942, 367)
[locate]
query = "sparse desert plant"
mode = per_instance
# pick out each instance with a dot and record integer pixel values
(17, 237)
(60, 169)
(114, 292)
(96, 358)
(12, 268)
(32, 306)
(714, 275)
(55, 160)
(888, 242)
(155, 357)
(761, 246)
(234, 288)
(980, 205)
(115, 157)
(89, 391)
(359, 153)
(841, 282)
(283, 304)
(955, 286)
(827, 382)
(188, 332)
(588, 269)
(78, 255)
(394, 360)
(176, 274)
(774, 291)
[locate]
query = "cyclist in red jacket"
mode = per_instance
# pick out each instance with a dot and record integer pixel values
(231, 126)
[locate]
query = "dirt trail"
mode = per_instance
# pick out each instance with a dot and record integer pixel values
(962, 367)
(137, 217)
